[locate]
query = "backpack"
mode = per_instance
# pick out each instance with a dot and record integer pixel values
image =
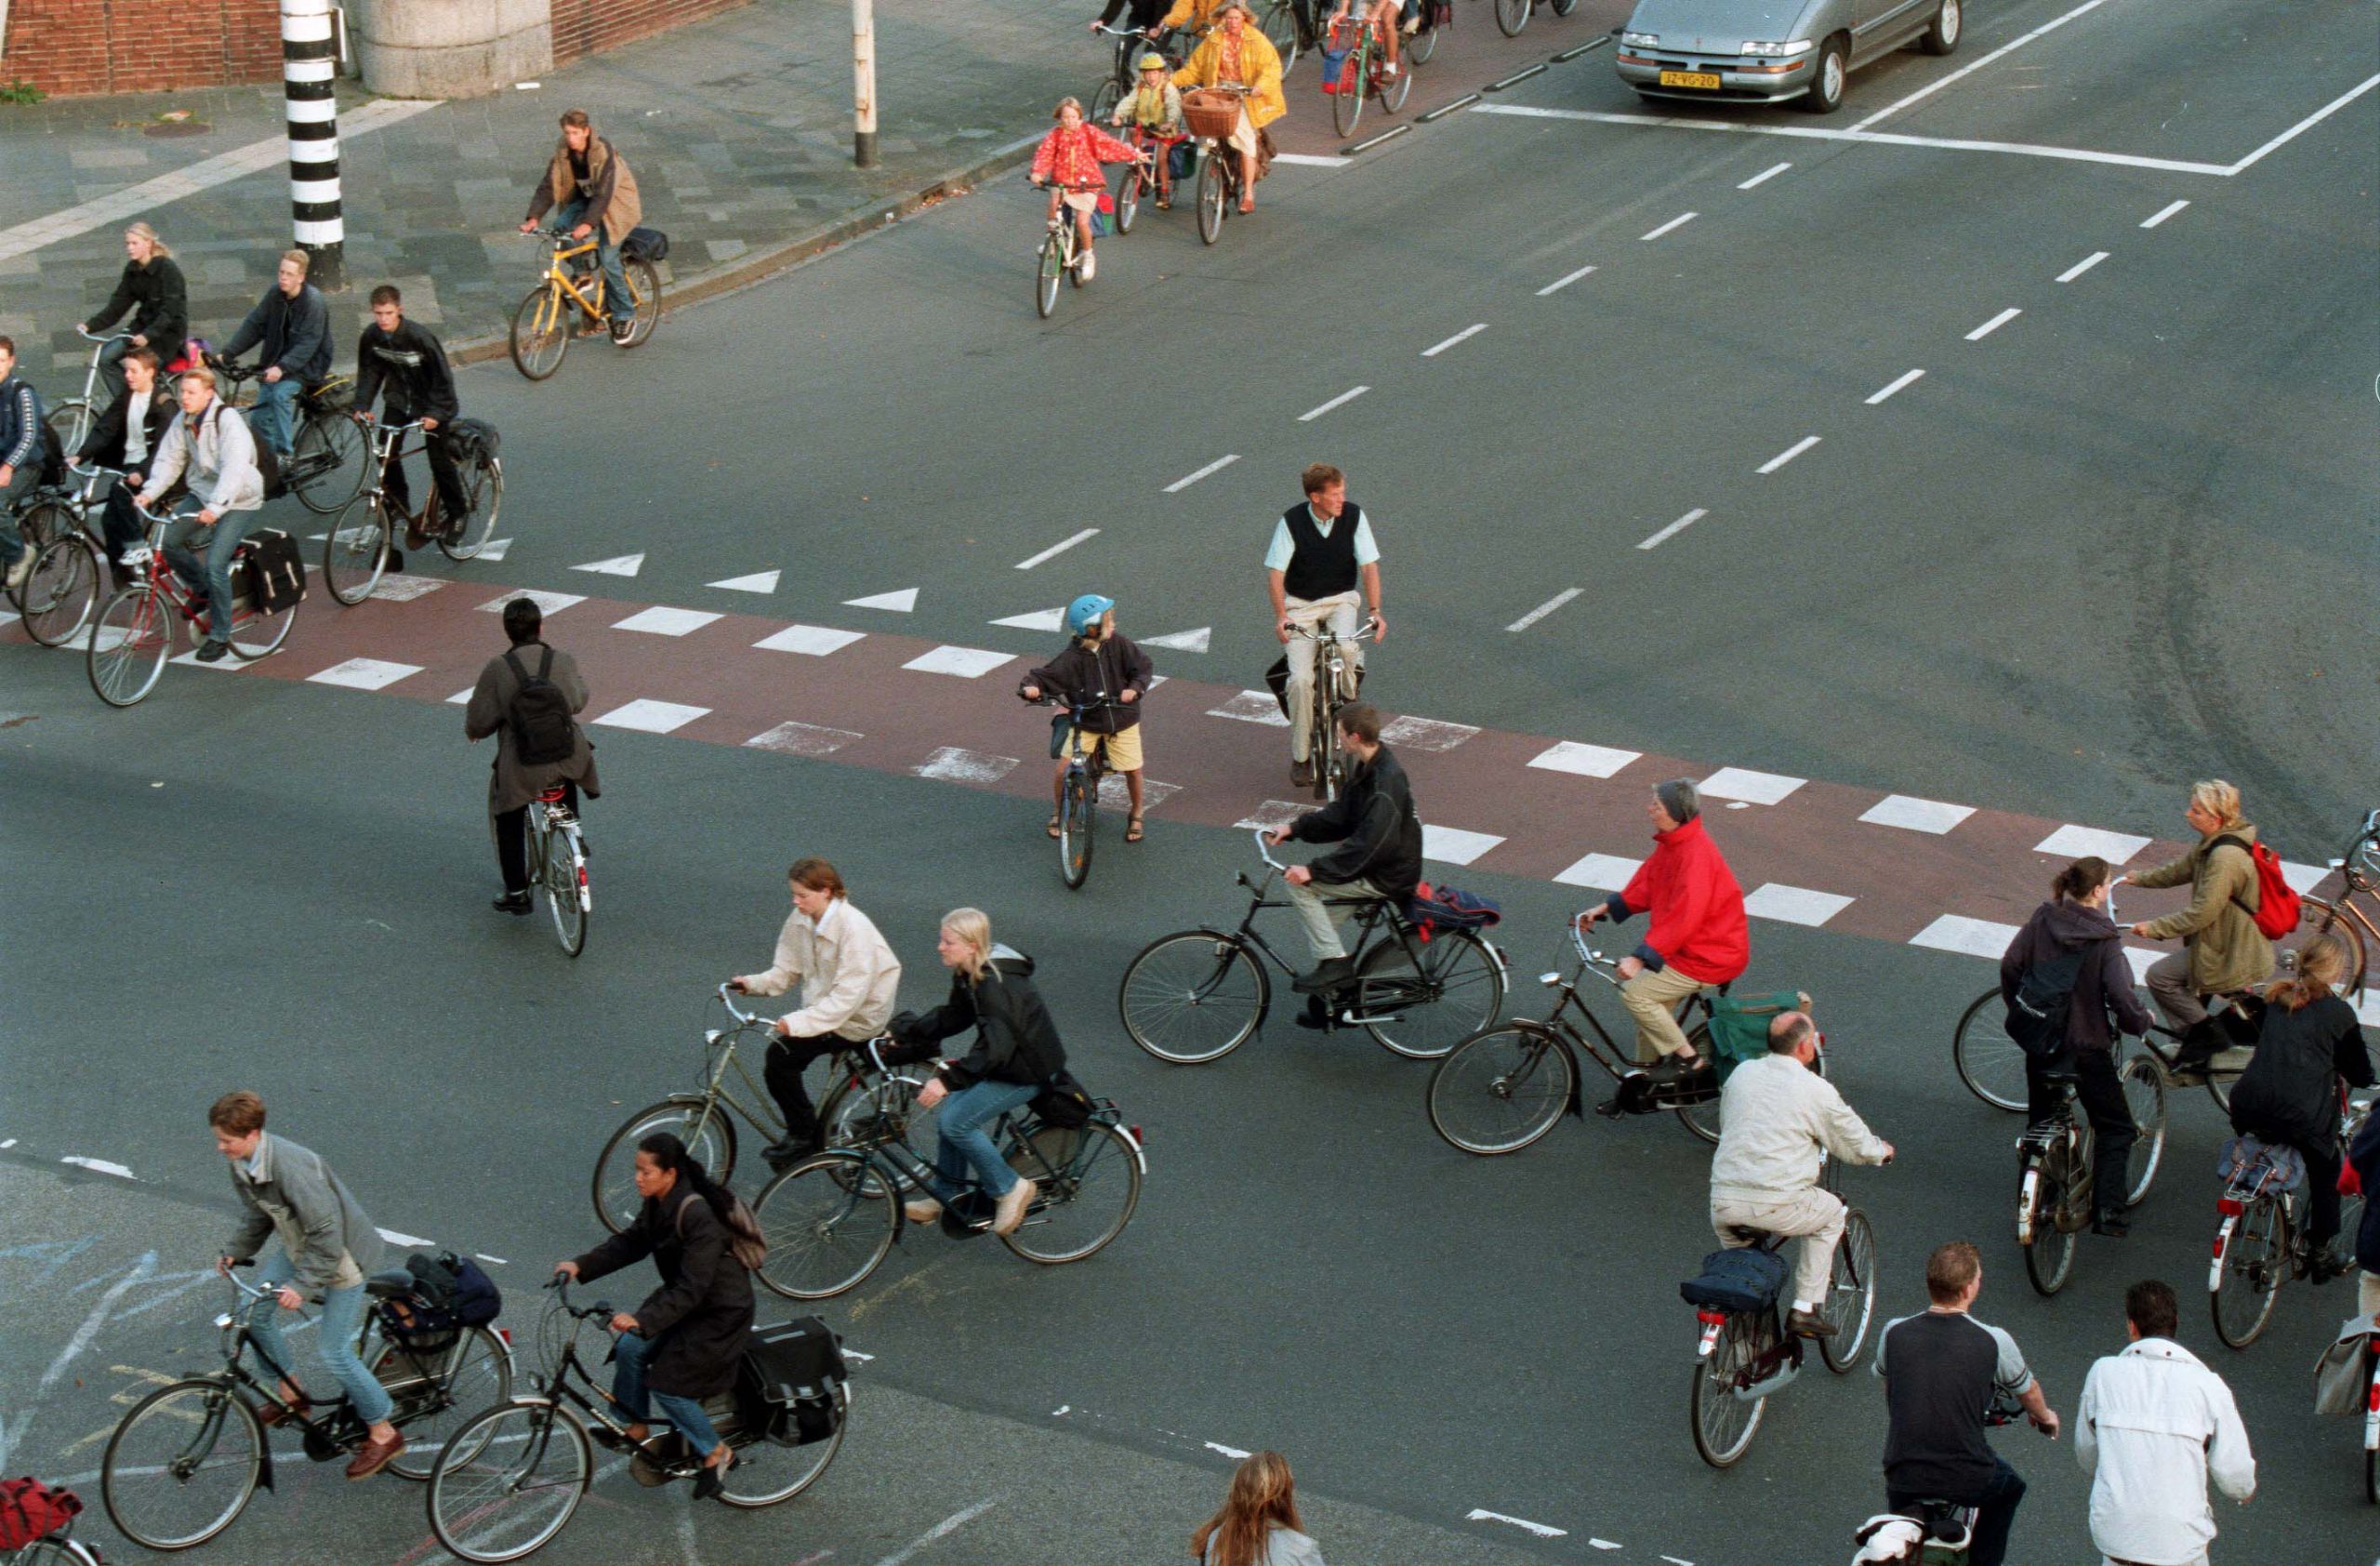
(788, 1383)
(2037, 1017)
(273, 570)
(268, 460)
(31, 1510)
(538, 715)
(1749, 1278)
(2277, 905)
(1446, 908)
(470, 439)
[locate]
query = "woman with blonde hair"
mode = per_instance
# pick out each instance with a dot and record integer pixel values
(2222, 949)
(1259, 1524)
(153, 288)
(1017, 1054)
(2309, 1042)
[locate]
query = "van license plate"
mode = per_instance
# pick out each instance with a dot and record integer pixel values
(1708, 80)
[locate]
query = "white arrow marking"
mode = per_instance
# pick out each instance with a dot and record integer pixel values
(1183, 640)
(618, 565)
(759, 581)
(902, 602)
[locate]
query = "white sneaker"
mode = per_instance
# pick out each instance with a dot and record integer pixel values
(1090, 264)
(1412, 27)
(1387, 72)
(1011, 1214)
(925, 1210)
(20, 571)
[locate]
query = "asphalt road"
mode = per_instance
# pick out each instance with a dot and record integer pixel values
(2121, 541)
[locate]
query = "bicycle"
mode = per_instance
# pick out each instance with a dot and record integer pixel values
(57, 597)
(356, 547)
(325, 465)
(512, 1477)
(1196, 995)
(1942, 1531)
(1746, 1356)
(1503, 1088)
(1059, 255)
(185, 1460)
(1363, 73)
(2360, 871)
(2056, 1175)
(1338, 679)
(2372, 1417)
(134, 633)
(831, 1220)
(559, 308)
(1513, 15)
(1279, 25)
(1140, 177)
(70, 420)
(1217, 185)
(2259, 1245)
(557, 855)
(1130, 44)
(1078, 794)
(53, 1549)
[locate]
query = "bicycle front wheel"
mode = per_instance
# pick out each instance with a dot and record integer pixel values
(1212, 194)
(2251, 1264)
(1075, 813)
(1393, 91)
(182, 1465)
(1104, 101)
(2144, 1094)
(1724, 1424)
(1128, 199)
(329, 463)
(1500, 1091)
(1280, 28)
(830, 1221)
(1458, 990)
(766, 1473)
(708, 1134)
(1851, 1293)
(541, 331)
(130, 642)
(473, 1373)
(1347, 103)
(1048, 268)
(1990, 1062)
(1512, 16)
(509, 1481)
(355, 550)
(483, 495)
(1193, 997)
(1091, 1186)
(2049, 1250)
(1703, 1119)
(57, 598)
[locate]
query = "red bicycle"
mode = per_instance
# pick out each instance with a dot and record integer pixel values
(1363, 73)
(134, 634)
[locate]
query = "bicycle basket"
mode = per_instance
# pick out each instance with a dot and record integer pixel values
(1210, 113)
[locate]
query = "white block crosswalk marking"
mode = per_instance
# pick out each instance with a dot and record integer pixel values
(1915, 814)
(1252, 707)
(1586, 760)
(1793, 905)
(951, 765)
(1753, 787)
(815, 640)
(1604, 872)
(661, 621)
(395, 587)
(1452, 845)
(2075, 842)
(547, 603)
(649, 716)
(1426, 734)
(966, 663)
(1974, 937)
(1272, 813)
(802, 739)
(366, 674)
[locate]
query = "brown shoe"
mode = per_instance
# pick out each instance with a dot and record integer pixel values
(284, 1412)
(375, 1456)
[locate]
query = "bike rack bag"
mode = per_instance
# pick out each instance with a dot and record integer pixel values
(1747, 1278)
(792, 1370)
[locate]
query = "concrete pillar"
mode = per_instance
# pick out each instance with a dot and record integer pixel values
(450, 49)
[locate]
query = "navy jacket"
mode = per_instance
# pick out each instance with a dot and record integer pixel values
(19, 423)
(295, 333)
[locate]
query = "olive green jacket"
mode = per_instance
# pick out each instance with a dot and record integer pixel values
(2218, 929)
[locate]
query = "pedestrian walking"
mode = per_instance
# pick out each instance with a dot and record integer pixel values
(292, 325)
(1258, 1523)
(2154, 1426)
(2222, 949)
(1943, 1374)
(849, 977)
(1321, 549)
(595, 194)
(23, 447)
(1379, 834)
(125, 437)
(210, 451)
(403, 364)
(539, 744)
(1103, 672)
(154, 290)
(2070, 941)
(328, 1247)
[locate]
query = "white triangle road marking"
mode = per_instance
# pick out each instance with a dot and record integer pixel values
(1183, 640)
(618, 565)
(759, 581)
(1040, 620)
(902, 602)
(495, 548)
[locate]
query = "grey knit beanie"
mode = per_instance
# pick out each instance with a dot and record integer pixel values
(1677, 797)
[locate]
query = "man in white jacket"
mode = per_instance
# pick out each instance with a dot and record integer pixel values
(849, 977)
(211, 441)
(2154, 1426)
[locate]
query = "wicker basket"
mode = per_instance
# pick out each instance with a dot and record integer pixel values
(1210, 113)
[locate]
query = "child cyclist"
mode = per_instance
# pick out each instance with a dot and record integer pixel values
(1069, 159)
(1102, 671)
(1154, 111)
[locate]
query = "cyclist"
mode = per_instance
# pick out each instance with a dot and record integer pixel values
(404, 364)
(1383, 16)
(23, 449)
(1320, 550)
(125, 438)
(1778, 1120)
(2308, 1043)
(327, 1246)
(1378, 853)
(686, 1340)
(2222, 949)
(1101, 670)
(849, 976)
(597, 195)
(151, 288)
(210, 450)
(2071, 938)
(1017, 1053)
(1944, 1372)
(1236, 54)
(1146, 17)
(513, 701)
(293, 327)
(1698, 938)
(1068, 161)
(1154, 111)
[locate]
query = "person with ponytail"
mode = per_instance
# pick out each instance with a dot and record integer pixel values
(2308, 1043)
(1259, 1524)
(684, 1343)
(2074, 925)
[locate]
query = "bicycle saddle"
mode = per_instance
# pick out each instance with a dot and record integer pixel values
(388, 1285)
(1750, 1235)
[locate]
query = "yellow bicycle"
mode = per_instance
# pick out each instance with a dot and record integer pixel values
(569, 300)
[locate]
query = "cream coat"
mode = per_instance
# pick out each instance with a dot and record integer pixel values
(849, 976)
(1776, 1115)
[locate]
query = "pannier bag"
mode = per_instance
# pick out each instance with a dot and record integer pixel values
(31, 1510)
(1210, 113)
(1739, 1024)
(446, 1292)
(1448, 907)
(1749, 1278)
(1062, 1103)
(2342, 1375)
(788, 1382)
(646, 245)
(2240, 1153)
(1334, 65)
(470, 439)
(271, 572)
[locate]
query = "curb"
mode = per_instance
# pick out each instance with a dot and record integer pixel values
(743, 270)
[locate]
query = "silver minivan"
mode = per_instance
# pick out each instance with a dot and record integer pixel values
(1765, 51)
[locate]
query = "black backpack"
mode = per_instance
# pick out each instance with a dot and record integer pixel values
(2037, 1017)
(538, 715)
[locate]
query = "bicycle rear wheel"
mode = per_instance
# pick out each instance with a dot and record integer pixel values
(766, 1473)
(1075, 814)
(1423, 45)
(830, 1222)
(568, 898)
(1347, 103)
(1393, 91)
(1091, 1186)
(1851, 1293)
(709, 1135)
(1724, 1424)
(473, 1373)
(2249, 1271)
(2049, 1253)
(182, 1465)
(1048, 268)
(541, 331)
(57, 598)
(2144, 1093)
(644, 292)
(1280, 27)
(130, 642)
(484, 490)
(2317, 916)
(258, 632)
(1213, 194)
(1104, 101)
(510, 1482)
(1193, 997)
(1990, 1062)
(1512, 16)
(1702, 1119)
(1501, 1091)
(328, 462)
(355, 550)
(70, 420)
(1459, 990)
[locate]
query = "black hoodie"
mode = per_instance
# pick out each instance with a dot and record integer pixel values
(2059, 927)
(1015, 1040)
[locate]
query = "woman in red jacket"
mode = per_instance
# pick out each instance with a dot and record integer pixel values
(1698, 938)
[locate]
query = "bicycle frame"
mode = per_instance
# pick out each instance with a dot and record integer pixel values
(1370, 914)
(559, 282)
(719, 1048)
(1331, 662)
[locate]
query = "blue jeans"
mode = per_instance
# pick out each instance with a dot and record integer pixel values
(615, 278)
(342, 1318)
(685, 1416)
(214, 577)
(1995, 1511)
(20, 489)
(964, 1142)
(270, 419)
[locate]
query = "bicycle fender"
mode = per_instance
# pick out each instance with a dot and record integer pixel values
(264, 1474)
(1263, 978)
(1139, 1155)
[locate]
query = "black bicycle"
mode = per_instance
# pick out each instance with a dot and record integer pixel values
(1196, 995)
(2055, 1185)
(328, 460)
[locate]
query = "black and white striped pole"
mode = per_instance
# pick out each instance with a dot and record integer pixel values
(309, 64)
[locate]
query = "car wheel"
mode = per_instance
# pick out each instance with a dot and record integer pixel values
(1942, 37)
(1826, 87)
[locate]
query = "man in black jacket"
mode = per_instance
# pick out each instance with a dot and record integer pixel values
(405, 363)
(293, 326)
(1378, 853)
(125, 437)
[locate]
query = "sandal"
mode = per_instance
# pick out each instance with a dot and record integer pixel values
(1133, 831)
(1053, 826)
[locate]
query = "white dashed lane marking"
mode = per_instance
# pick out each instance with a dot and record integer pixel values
(1063, 546)
(1468, 332)
(1543, 1531)
(1187, 480)
(1340, 401)
(1790, 453)
(1994, 324)
(817, 641)
(1765, 176)
(1675, 223)
(2163, 213)
(98, 1166)
(1543, 609)
(1690, 518)
(1904, 381)
(648, 716)
(2086, 264)
(1561, 283)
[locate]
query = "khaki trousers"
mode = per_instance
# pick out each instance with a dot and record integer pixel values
(1322, 924)
(2169, 985)
(1814, 1214)
(1650, 998)
(1338, 612)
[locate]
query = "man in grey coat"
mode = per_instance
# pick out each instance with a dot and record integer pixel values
(517, 784)
(328, 1246)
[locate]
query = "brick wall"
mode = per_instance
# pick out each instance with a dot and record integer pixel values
(585, 27)
(66, 46)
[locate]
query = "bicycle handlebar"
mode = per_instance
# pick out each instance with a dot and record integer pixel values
(1264, 848)
(1363, 633)
(738, 1012)
(560, 1283)
(94, 337)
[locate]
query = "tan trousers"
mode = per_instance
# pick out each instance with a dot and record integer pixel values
(2169, 985)
(1339, 612)
(1322, 924)
(1650, 998)
(1814, 1214)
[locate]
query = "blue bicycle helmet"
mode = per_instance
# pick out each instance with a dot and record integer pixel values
(1084, 612)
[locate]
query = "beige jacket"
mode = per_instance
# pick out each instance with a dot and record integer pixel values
(1776, 1116)
(2219, 927)
(610, 188)
(848, 975)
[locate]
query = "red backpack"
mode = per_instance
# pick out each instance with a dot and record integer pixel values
(2276, 910)
(30, 1511)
